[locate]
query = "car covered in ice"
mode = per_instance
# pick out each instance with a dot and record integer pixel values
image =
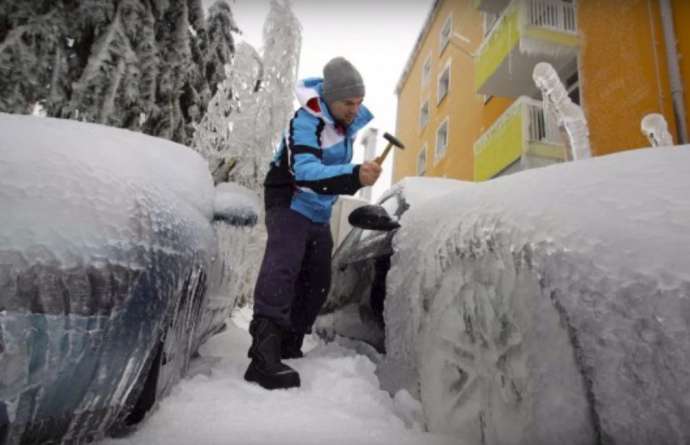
(110, 274)
(548, 306)
(354, 307)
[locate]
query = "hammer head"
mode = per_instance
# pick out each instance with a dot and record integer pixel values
(393, 140)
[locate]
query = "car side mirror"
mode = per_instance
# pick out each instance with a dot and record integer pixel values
(372, 217)
(236, 205)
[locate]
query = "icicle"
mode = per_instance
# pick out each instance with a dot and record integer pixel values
(655, 128)
(570, 116)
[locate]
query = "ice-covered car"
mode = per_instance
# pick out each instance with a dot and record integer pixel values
(110, 274)
(549, 306)
(354, 307)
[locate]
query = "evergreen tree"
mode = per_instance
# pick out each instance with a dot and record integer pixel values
(246, 117)
(141, 64)
(33, 54)
(220, 47)
(233, 105)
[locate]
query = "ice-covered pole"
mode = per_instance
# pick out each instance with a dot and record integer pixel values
(655, 128)
(570, 116)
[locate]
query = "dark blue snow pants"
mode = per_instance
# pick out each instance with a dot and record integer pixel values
(295, 274)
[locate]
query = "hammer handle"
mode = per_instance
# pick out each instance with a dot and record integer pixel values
(379, 160)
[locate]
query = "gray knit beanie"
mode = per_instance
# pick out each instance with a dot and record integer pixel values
(341, 80)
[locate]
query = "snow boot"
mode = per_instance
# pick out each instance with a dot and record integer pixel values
(266, 369)
(291, 346)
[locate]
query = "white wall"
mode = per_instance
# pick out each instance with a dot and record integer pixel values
(341, 210)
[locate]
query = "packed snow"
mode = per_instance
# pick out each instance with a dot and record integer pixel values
(550, 306)
(339, 402)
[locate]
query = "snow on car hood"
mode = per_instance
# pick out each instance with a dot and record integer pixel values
(418, 190)
(71, 190)
(630, 210)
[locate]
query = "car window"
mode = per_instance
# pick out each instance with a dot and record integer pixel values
(391, 206)
(350, 240)
(369, 233)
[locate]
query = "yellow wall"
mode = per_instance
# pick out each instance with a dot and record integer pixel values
(623, 73)
(462, 106)
(623, 76)
(505, 147)
(681, 18)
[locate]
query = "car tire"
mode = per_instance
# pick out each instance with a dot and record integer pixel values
(147, 397)
(496, 364)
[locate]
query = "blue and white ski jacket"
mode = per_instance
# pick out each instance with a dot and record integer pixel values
(313, 162)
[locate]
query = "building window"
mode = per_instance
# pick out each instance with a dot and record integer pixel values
(424, 115)
(489, 22)
(441, 140)
(443, 83)
(426, 71)
(572, 86)
(421, 161)
(446, 32)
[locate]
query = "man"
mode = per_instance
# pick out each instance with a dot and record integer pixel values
(312, 166)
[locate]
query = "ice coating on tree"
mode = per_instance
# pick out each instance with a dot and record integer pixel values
(245, 123)
(146, 66)
(570, 116)
(247, 115)
(655, 128)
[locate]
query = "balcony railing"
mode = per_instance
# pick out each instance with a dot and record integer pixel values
(542, 126)
(524, 130)
(550, 14)
(553, 14)
(528, 31)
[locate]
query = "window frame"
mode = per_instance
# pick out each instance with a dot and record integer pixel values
(426, 76)
(422, 154)
(444, 40)
(424, 124)
(489, 22)
(440, 154)
(446, 68)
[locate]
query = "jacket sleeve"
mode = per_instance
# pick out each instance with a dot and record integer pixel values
(307, 160)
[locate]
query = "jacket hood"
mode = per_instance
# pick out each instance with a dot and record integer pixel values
(309, 95)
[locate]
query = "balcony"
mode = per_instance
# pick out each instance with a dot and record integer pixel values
(491, 6)
(527, 32)
(523, 133)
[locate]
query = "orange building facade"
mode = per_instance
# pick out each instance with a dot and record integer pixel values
(468, 107)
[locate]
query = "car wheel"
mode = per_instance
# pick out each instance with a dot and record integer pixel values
(495, 362)
(147, 397)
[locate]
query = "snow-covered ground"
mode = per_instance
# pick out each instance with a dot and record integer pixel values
(340, 402)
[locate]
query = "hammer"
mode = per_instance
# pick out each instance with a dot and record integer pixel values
(392, 140)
